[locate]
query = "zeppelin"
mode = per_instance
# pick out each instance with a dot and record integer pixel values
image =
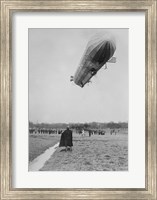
(100, 50)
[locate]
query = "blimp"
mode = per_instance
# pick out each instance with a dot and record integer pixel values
(99, 50)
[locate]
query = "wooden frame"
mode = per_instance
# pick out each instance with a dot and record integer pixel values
(7, 9)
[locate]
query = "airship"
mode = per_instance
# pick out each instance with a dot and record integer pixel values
(99, 50)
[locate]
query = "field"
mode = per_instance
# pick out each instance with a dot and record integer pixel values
(39, 143)
(95, 153)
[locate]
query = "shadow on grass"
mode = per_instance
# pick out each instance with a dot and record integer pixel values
(64, 150)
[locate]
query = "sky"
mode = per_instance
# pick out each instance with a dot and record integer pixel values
(54, 56)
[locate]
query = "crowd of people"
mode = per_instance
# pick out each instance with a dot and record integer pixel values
(45, 131)
(82, 132)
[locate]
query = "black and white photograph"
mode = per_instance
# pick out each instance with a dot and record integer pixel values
(78, 99)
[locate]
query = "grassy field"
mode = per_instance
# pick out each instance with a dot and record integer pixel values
(39, 143)
(95, 153)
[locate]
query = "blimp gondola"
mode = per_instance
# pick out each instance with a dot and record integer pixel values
(100, 50)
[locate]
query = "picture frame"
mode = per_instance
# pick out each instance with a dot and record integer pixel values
(8, 7)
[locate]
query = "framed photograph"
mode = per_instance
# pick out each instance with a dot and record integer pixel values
(78, 99)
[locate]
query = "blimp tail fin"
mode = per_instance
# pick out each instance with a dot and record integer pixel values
(112, 60)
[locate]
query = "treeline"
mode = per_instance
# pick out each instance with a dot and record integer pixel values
(92, 125)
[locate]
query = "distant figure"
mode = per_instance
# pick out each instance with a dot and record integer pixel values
(112, 131)
(80, 132)
(90, 133)
(66, 139)
(83, 132)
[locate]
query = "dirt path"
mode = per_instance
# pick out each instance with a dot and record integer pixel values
(39, 162)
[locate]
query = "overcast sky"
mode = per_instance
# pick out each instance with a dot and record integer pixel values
(54, 55)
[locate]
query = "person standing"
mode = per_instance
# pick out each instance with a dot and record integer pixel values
(83, 132)
(90, 133)
(66, 139)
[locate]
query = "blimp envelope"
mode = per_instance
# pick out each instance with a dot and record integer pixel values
(100, 49)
